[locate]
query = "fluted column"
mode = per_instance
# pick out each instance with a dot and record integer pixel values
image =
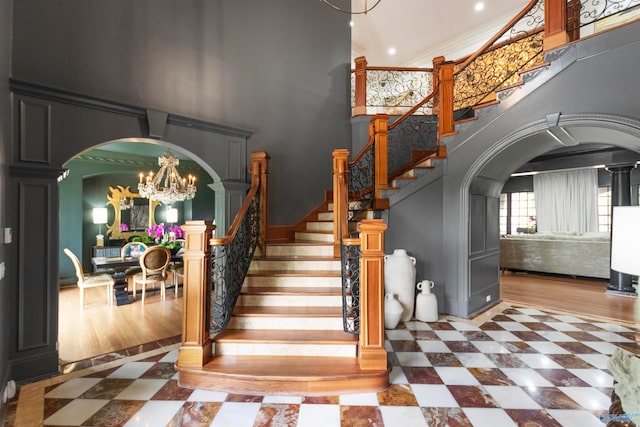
(620, 196)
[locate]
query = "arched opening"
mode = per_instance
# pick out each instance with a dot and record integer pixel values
(94, 328)
(592, 139)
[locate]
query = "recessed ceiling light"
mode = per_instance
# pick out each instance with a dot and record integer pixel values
(479, 6)
(351, 23)
(392, 51)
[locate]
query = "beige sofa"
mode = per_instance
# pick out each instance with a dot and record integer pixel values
(573, 254)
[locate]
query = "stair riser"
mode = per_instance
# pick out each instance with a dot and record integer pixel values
(325, 216)
(265, 349)
(284, 282)
(290, 300)
(296, 323)
(320, 226)
(314, 237)
(293, 265)
(299, 250)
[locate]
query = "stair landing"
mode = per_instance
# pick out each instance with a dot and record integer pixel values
(284, 375)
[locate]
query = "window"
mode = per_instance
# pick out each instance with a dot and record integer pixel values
(523, 212)
(504, 214)
(517, 212)
(604, 209)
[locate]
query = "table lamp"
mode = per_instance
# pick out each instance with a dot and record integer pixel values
(100, 217)
(172, 215)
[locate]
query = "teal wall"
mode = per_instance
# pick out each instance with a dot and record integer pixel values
(87, 185)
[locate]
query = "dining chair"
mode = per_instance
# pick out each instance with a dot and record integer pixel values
(90, 280)
(133, 250)
(154, 263)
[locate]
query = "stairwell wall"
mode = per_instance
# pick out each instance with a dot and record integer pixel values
(596, 98)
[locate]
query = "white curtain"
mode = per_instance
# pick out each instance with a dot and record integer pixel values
(567, 200)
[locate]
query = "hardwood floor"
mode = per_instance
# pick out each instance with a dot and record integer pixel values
(579, 296)
(100, 329)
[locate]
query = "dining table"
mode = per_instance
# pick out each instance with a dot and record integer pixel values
(117, 266)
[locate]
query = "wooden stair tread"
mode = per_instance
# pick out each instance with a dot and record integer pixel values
(302, 243)
(296, 273)
(286, 311)
(284, 375)
(295, 258)
(286, 336)
(292, 290)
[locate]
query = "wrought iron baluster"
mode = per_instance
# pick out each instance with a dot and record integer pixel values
(230, 263)
(351, 288)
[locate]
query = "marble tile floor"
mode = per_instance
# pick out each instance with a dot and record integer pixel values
(512, 366)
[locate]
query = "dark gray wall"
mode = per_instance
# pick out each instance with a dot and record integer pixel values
(279, 68)
(5, 134)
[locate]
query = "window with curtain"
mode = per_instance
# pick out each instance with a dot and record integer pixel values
(567, 200)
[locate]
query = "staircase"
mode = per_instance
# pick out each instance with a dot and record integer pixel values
(286, 334)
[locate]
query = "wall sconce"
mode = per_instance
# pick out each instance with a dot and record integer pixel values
(100, 217)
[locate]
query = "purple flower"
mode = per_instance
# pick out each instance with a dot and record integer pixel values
(124, 227)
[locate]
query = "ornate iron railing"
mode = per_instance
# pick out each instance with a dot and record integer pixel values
(350, 286)
(395, 91)
(361, 174)
(230, 263)
(516, 48)
(412, 135)
(592, 11)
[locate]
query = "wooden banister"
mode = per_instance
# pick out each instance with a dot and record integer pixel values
(360, 101)
(555, 24)
(259, 173)
(195, 350)
(445, 95)
(499, 34)
(381, 140)
(372, 354)
(340, 198)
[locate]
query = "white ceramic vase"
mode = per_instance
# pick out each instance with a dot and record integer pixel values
(392, 311)
(399, 279)
(426, 303)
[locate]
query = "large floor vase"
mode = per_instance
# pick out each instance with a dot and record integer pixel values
(400, 279)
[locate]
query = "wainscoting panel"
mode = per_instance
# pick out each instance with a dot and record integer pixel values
(35, 131)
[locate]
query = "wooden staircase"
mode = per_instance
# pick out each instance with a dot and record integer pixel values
(286, 334)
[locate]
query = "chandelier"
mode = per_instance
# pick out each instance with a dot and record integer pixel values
(362, 11)
(167, 186)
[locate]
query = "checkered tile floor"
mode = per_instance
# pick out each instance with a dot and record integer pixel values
(522, 367)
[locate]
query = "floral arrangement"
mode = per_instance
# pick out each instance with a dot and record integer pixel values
(165, 236)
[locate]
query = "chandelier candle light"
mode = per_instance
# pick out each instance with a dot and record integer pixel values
(167, 186)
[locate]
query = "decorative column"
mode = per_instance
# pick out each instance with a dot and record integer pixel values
(620, 283)
(229, 196)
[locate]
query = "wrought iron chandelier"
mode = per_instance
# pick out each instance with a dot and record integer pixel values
(362, 11)
(167, 186)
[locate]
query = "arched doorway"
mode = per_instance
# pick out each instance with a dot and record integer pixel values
(486, 176)
(95, 328)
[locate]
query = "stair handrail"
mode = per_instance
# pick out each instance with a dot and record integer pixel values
(498, 35)
(232, 254)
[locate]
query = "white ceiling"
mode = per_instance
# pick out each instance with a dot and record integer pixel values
(423, 29)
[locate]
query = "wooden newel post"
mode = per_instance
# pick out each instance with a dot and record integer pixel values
(446, 101)
(381, 140)
(196, 349)
(260, 171)
(340, 197)
(555, 24)
(371, 354)
(360, 101)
